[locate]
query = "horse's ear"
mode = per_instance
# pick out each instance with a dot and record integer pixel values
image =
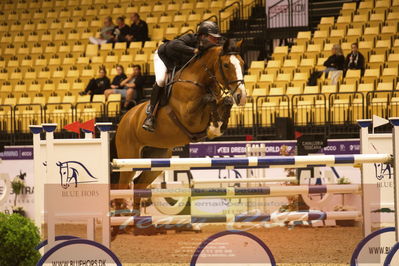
(239, 43)
(226, 46)
(58, 163)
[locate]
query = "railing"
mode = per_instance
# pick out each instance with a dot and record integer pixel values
(237, 10)
(346, 107)
(309, 109)
(256, 118)
(6, 118)
(232, 11)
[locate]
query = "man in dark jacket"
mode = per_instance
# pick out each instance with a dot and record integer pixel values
(177, 53)
(138, 30)
(355, 60)
(121, 32)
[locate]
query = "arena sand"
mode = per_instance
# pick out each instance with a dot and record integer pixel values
(301, 245)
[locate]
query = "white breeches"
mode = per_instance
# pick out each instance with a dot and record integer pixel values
(160, 70)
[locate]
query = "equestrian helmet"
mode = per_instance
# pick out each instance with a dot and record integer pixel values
(208, 27)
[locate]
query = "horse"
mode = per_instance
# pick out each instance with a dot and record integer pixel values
(201, 97)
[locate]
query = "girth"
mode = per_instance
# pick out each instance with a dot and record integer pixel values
(194, 137)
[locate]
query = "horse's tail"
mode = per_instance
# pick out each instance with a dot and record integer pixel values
(113, 155)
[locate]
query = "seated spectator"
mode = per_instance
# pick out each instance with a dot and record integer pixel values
(132, 88)
(355, 60)
(335, 61)
(122, 32)
(105, 32)
(98, 85)
(139, 29)
(117, 80)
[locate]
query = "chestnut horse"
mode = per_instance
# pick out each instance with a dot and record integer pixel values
(201, 92)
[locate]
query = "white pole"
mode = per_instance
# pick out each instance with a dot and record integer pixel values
(395, 136)
(364, 149)
(51, 171)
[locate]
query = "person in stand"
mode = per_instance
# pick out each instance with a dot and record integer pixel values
(131, 88)
(106, 32)
(98, 85)
(355, 60)
(177, 53)
(134, 87)
(121, 32)
(335, 61)
(116, 81)
(139, 29)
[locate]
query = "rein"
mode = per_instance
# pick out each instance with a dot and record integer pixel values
(224, 87)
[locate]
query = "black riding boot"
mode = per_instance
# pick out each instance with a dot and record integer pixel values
(149, 122)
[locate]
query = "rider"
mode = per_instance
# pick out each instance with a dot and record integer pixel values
(177, 53)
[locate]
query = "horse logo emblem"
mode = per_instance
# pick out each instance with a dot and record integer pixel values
(382, 170)
(70, 171)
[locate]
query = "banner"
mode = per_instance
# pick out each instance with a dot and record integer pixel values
(287, 13)
(16, 161)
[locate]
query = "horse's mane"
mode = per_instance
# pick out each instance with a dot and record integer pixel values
(206, 47)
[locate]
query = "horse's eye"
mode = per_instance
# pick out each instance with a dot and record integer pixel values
(64, 173)
(226, 65)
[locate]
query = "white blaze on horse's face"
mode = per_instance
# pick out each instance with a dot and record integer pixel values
(240, 96)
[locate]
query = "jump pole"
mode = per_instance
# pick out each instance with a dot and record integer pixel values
(128, 165)
(231, 218)
(235, 192)
(244, 180)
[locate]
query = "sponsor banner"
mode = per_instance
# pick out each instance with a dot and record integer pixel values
(350, 146)
(17, 153)
(374, 248)
(78, 251)
(211, 149)
(226, 248)
(273, 148)
(12, 168)
(282, 14)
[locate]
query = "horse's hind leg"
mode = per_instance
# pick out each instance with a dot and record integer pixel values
(147, 177)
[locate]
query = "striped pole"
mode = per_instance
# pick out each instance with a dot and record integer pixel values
(237, 192)
(128, 165)
(202, 219)
(244, 180)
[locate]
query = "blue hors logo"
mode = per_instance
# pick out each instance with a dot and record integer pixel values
(73, 172)
(383, 170)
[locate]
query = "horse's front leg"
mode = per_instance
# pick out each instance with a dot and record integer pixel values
(225, 110)
(211, 101)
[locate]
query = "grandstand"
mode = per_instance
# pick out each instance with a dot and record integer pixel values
(279, 86)
(46, 60)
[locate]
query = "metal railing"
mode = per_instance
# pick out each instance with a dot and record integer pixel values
(256, 118)
(228, 13)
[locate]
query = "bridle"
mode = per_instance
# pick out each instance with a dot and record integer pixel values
(224, 86)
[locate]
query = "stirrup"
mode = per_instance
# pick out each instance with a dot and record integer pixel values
(149, 123)
(148, 109)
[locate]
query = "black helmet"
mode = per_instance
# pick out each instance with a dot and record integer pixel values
(209, 27)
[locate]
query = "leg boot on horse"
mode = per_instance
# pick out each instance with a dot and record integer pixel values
(149, 122)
